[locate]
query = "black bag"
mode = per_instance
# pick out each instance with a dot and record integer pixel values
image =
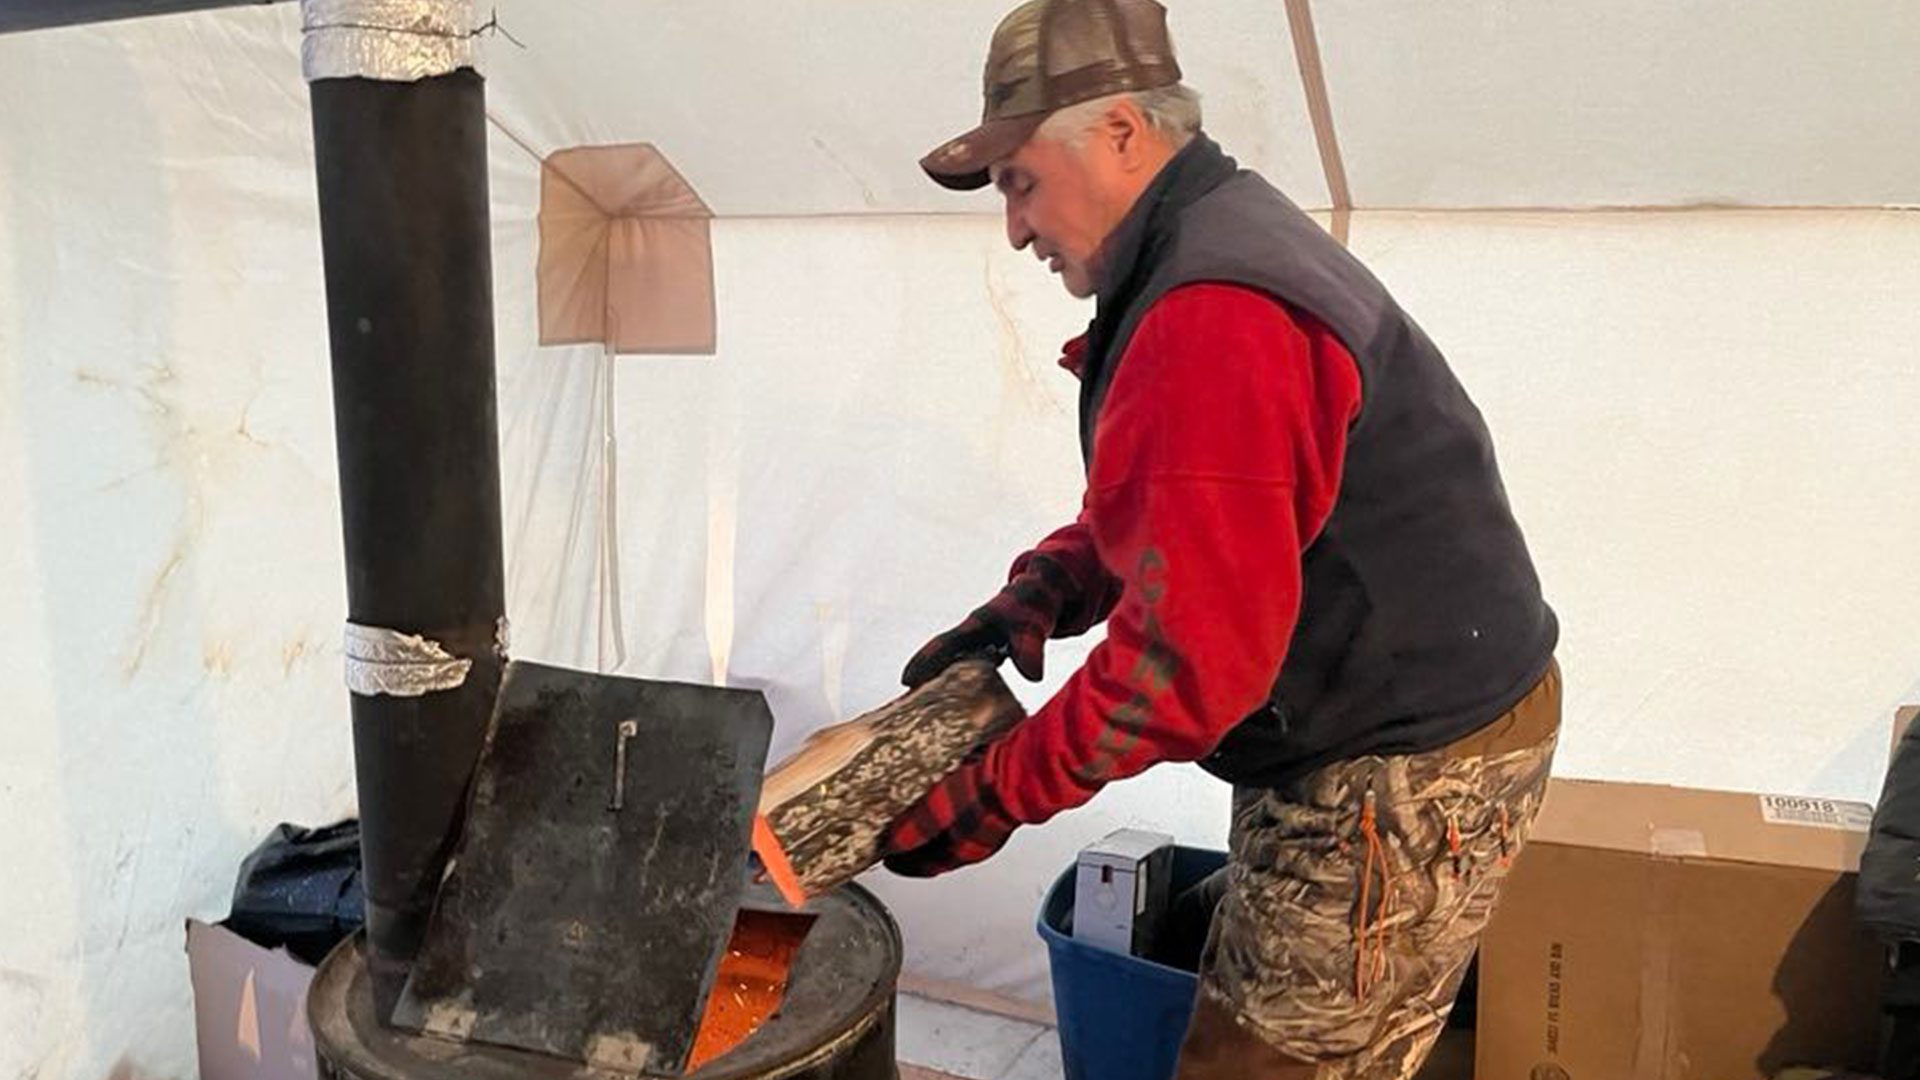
(301, 888)
(1887, 902)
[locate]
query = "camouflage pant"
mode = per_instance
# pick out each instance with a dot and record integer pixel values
(1354, 898)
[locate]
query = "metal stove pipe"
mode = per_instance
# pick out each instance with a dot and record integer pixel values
(399, 131)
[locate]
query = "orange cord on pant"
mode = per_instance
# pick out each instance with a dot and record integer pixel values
(1453, 843)
(1371, 935)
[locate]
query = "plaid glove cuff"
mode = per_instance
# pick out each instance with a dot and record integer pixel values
(958, 823)
(1026, 611)
(1085, 593)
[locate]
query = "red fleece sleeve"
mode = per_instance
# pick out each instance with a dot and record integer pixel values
(1216, 461)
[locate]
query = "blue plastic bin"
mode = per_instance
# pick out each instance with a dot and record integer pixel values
(1121, 1017)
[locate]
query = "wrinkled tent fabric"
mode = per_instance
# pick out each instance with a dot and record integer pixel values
(626, 253)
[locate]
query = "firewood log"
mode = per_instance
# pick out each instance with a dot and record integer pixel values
(829, 803)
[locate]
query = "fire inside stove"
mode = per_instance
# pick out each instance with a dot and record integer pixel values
(751, 982)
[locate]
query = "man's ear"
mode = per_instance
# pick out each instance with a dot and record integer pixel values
(1124, 128)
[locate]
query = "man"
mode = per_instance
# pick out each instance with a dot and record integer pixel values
(1296, 533)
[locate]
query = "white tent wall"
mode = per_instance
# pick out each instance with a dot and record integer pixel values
(169, 559)
(1700, 416)
(1704, 421)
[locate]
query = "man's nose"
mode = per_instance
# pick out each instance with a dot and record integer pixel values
(1018, 234)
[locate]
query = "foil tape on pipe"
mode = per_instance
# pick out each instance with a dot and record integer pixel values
(389, 40)
(382, 661)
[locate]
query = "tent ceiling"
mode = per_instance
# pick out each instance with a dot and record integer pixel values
(22, 15)
(813, 107)
(825, 106)
(1488, 103)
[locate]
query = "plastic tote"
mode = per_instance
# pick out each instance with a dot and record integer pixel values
(1121, 1017)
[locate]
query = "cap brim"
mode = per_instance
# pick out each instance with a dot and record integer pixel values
(961, 162)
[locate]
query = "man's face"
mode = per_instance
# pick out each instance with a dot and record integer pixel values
(1063, 201)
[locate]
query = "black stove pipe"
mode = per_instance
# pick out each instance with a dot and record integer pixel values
(402, 170)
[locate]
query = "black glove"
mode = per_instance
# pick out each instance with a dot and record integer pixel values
(1015, 623)
(974, 639)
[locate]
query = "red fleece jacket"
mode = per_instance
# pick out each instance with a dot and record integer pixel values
(1216, 461)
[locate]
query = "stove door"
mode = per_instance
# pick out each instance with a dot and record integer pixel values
(596, 883)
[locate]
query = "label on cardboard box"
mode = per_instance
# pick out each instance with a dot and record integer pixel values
(1816, 813)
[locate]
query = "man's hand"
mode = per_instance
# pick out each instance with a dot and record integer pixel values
(981, 637)
(1014, 624)
(959, 823)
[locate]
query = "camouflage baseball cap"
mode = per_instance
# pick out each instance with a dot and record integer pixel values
(1049, 54)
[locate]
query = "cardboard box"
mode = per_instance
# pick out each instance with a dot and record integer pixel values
(1658, 933)
(249, 1008)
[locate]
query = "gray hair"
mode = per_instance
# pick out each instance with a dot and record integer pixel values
(1173, 111)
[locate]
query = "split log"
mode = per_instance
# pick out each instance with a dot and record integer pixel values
(830, 802)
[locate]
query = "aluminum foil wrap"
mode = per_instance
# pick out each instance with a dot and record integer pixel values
(389, 40)
(381, 661)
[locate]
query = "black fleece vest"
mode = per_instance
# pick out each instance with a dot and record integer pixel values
(1421, 617)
